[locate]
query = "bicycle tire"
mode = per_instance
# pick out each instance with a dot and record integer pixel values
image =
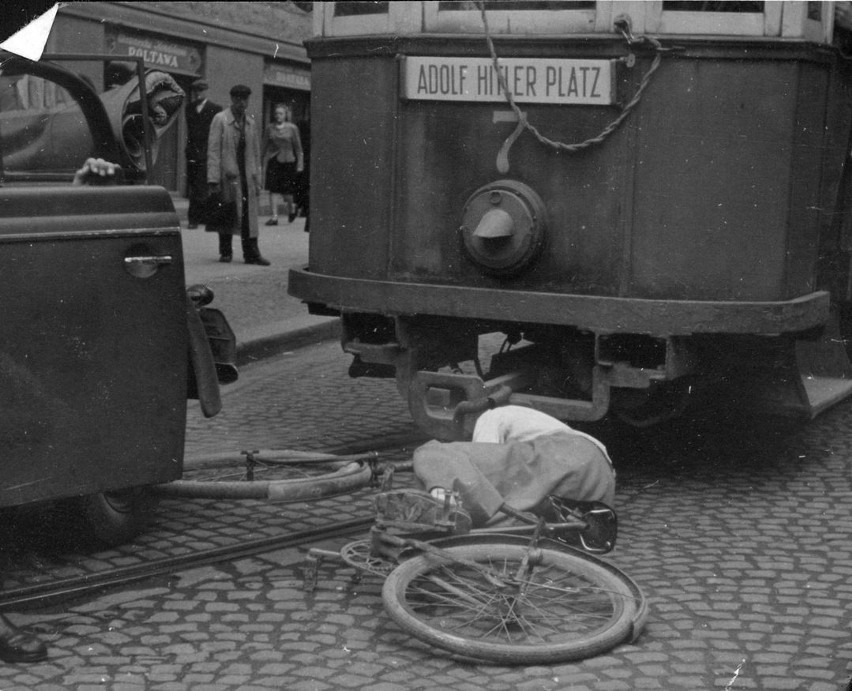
(352, 476)
(566, 589)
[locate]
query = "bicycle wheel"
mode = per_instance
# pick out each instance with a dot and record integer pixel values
(478, 601)
(280, 476)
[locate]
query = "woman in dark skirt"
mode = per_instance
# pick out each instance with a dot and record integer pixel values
(284, 161)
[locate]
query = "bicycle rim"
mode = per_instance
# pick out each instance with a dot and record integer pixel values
(565, 607)
(300, 482)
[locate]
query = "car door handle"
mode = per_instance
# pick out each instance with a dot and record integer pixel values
(146, 266)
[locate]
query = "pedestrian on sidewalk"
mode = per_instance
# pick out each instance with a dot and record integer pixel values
(233, 173)
(283, 161)
(199, 115)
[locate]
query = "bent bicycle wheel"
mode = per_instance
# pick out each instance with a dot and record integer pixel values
(481, 601)
(275, 475)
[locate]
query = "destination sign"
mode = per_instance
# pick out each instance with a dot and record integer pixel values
(529, 80)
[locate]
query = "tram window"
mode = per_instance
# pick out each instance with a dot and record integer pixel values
(815, 11)
(354, 9)
(723, 6)
(505, 5)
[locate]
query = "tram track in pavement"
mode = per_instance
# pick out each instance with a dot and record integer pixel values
(57, 590)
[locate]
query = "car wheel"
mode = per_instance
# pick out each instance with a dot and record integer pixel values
(117, 517)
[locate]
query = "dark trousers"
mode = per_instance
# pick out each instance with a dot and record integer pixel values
(196, 178)
(250, 246)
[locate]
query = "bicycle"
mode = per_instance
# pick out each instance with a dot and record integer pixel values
(532, 593)
(511, 595)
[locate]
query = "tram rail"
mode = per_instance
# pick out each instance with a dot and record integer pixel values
(44, 594)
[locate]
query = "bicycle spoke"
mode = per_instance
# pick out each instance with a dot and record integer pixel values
(542, 608)
(485, 600)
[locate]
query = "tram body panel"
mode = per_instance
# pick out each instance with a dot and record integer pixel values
(729, 186)
(584, 200)
(694, 156)
(355, 135)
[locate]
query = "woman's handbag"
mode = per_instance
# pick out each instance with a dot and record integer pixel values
(218, 213)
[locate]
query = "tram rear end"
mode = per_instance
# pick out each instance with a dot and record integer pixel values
(671, 221)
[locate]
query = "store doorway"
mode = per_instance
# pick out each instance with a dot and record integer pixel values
(300, 106)
(298, 101)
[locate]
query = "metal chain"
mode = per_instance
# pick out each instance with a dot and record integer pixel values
(523, 123)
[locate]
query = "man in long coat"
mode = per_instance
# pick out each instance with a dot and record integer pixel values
(199, 115)
(233, 171)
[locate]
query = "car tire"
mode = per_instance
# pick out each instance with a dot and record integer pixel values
(117, 517)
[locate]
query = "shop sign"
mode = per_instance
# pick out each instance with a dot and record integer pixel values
(163, 55)
(287, 76)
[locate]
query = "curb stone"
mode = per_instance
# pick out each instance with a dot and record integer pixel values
(264, 346)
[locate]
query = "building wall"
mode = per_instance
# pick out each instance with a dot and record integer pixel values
(226, 67)
(281, 21)
(74, 34)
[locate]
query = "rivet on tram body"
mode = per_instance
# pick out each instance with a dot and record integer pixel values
(495, 198)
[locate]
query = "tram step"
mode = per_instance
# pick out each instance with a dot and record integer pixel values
(824, 369)
(823, 392)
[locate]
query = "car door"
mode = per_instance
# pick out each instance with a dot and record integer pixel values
(93, 338)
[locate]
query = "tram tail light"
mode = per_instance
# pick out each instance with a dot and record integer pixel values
(503, 228)
(496, 223)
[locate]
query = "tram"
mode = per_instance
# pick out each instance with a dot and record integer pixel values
(643, 200)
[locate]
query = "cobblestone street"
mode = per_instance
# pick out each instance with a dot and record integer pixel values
(741, 542)
(636, 215)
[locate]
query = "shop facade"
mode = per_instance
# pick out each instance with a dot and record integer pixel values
(254, 43)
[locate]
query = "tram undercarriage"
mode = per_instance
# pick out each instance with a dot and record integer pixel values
(449, 370)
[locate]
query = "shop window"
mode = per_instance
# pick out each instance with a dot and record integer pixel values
(815, 11)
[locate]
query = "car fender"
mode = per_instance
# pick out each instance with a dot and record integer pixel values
(203, 381)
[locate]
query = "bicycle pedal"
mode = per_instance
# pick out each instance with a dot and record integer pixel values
(311, 575)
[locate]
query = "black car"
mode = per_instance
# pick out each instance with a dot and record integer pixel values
(100, 341)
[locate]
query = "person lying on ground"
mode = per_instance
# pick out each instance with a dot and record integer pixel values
(518, 456)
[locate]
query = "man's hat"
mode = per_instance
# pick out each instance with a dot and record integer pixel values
(199, 85)
(240, 90)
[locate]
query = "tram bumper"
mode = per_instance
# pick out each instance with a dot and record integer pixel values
(597, 313)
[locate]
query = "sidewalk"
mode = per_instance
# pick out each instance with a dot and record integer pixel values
(265, 319)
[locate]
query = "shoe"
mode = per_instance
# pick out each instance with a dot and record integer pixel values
(225, 258)
(17, 646)
(192, 226)
(272, 221)
(291, 216)
(260, 261)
